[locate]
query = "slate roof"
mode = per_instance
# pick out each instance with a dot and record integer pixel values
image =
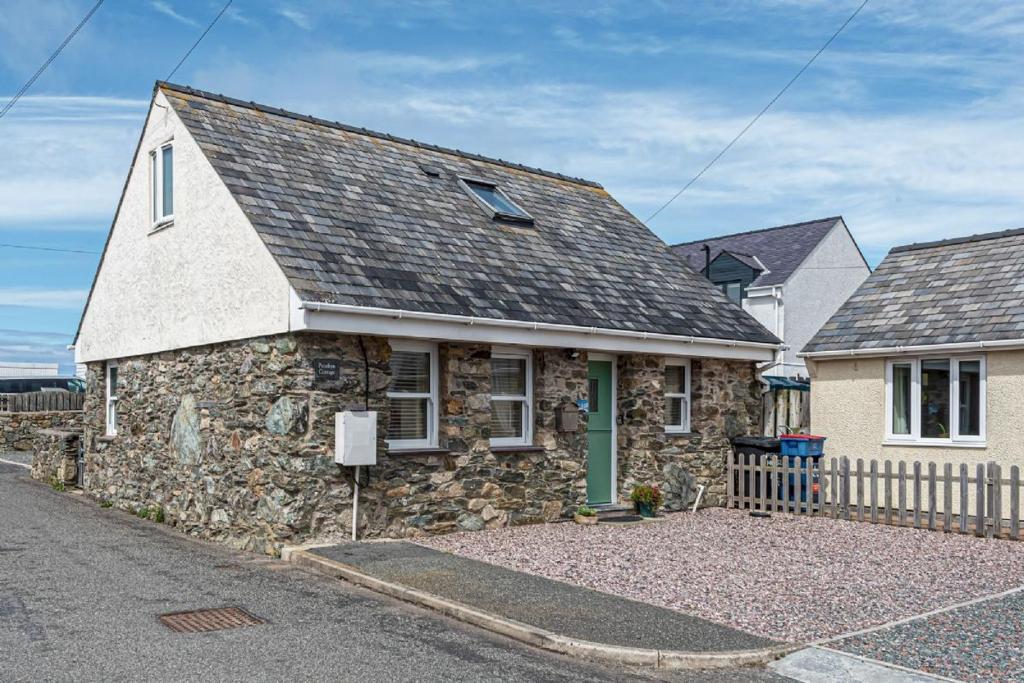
(368, 219)
(781, 249)
(953, 291)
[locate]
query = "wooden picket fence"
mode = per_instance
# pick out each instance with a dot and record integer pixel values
(880, 495)
(40, 401)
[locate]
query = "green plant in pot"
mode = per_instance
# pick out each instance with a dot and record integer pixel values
(646, 499)
(585, 515)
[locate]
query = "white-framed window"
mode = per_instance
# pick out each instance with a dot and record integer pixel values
(677, 395)
(412, 395)
(494, 199)
(161, 172)
(111, 392)
(935, 399)
(511, 397)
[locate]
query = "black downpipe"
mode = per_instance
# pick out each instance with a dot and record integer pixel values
(366, 399)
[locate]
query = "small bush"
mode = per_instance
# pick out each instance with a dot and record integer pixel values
(648, 495)
(106, 503)
(585, 511)
(156, 514)
(57, 484)
(143, 513)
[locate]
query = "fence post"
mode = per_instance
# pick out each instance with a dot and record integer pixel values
(965, 509)
(979, 504)
(742, 481)
(917, 495)
(797, 486)
(874, 491)
(887, 483)
(860, 489)
(947, 497)
(902, 483)
(997, 500)
(730, 484)
(834, 493)
(932, 502)
(808, 464)
(846, 488)
(1014, 502)
(785, 484)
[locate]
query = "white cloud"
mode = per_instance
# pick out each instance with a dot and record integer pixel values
(65, 159)
(297, 17)
(167, 9)
(43, 298)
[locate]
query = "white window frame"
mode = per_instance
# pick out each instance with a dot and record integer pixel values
(431, 396)
(111, 400)
(156, 188)
(955, 438)
(522, 217)
(527, 399)
(685, 427)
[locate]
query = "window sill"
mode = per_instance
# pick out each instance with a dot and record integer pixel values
(159, 227)
(936, 444)
(680, 432)
(525, 448)
(418, 451)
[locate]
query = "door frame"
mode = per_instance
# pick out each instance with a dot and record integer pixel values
(613, 359)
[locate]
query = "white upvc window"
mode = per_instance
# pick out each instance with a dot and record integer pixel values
(511, 397)
(111, 393)
(935, 400)
(412, 395)
(161, 172)
(677, 395)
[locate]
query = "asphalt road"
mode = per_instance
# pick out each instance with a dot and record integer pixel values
(81, 589)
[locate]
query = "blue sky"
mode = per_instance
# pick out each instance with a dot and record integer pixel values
(909, 126)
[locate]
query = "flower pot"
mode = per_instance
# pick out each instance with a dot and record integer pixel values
(585, 519)
(645, 509)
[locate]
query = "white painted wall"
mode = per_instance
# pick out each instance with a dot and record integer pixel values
(206, 278)
(829, 275)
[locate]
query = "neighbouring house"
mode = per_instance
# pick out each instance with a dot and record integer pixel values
(9, 369)
(266, 270)
(791, 278)
(925, 362)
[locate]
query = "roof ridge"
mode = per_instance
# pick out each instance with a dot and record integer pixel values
(277, 111)
(980, 237)
(751, 232)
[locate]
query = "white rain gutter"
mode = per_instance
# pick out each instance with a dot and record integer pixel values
(398, 314)
(998, 344)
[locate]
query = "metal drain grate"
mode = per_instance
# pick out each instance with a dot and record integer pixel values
(218, 619)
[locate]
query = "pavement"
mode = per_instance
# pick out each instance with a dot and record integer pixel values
(81, 589)
(553, 606)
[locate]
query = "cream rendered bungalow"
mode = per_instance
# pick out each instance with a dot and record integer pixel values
(528, 344)
(925, 362)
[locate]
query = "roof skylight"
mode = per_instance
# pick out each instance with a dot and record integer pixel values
(493, 198)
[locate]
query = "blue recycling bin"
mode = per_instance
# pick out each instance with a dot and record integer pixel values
(798, 447)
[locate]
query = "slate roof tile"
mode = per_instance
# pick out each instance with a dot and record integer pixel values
(352, 218)
(953, 291)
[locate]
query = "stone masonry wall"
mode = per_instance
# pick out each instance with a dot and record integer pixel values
(18, 430)
(235, 443)
(725, 403)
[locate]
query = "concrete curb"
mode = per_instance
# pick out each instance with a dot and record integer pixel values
(531, 635)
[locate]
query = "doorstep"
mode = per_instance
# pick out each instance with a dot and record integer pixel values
(548, 614)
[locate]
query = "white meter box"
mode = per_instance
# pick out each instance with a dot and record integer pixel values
(355, 438)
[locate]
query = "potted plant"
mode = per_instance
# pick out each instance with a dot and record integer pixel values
(646, 499)
(585, 515)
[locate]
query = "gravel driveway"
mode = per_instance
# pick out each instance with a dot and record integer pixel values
(790, 578)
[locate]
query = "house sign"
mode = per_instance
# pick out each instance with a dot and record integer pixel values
(326, 369)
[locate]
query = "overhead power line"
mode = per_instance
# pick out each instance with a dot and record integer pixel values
(199, 39)
(40, 70)
(66, 251)
(759, 114)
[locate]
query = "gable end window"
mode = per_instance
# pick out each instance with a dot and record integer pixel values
(111, 392)
(161, 171)
(935, 400)
(412, 396)
(511, 398)
(492, 198)
(677, 395)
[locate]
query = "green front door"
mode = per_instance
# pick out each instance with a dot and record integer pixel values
(601, 396)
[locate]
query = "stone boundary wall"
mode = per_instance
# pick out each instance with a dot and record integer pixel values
(55, 456)
(18, 430)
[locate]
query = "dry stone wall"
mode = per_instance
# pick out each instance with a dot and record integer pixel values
(18, 430)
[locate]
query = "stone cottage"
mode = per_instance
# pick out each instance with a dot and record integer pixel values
(528, 344)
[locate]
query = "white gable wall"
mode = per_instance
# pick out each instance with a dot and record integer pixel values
(829, 275)
(207, 278)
